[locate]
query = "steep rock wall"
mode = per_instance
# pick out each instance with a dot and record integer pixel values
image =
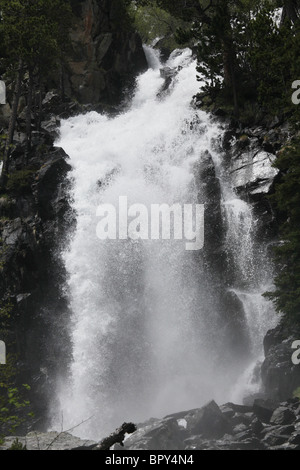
(106, 52)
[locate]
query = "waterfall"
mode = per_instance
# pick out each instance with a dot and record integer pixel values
(147, 326)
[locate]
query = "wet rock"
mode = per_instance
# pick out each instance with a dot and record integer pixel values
(279, 375)
(242, 418)
(168, 72)
(227, 410)
(47, 181)
(251, 443)
(51, 126)
(239, 428)
(206, 428)
(254, 172)
(12, 232)
(276, 437)
(34, 218)
(295, 439)
(256, 426)
(208, 421)
(160, 435)
(283, 416)
(264, 409)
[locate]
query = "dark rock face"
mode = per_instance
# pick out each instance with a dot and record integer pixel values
(209, 421)
(106, 53)
(34, 215)
(250, 157)
(280, 376)
(250, 154)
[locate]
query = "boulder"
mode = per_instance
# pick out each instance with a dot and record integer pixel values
(163, 434)
(264, 409)
(209, 421)
(283, 416)
(279, 375)
(254, 172)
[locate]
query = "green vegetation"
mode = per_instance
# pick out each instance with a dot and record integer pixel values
(17, 445)
(20, 181)
(154, 23)
(35, 36)
(244, 55)
(296, 393)
(287, 200)
(14, 405)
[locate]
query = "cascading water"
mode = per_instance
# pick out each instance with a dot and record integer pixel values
(253, 276)
(147, 331)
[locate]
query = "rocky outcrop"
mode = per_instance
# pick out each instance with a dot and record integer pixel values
(251, 154)
(252, 171)
(34, 213)
(107, 53)
(281, 378)
(250, 157)
(228, 427)
(265, 425)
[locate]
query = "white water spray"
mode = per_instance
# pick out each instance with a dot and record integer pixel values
(146, 330)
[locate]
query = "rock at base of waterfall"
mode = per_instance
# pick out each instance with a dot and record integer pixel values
(208, 421)
(279, 375)
(212, 427)
(228, 427)
(282, 416)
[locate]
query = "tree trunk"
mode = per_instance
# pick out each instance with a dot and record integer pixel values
(28, 113)
(230, 74)
(229, 54)
(62, 82)
(12, 125)
(40, 110)
(290, 11)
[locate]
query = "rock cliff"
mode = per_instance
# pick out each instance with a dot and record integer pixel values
(105, 57)
(106, 53)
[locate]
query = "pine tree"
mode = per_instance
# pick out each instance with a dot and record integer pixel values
(286, 296)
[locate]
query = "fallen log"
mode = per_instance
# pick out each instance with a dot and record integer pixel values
(116, 437)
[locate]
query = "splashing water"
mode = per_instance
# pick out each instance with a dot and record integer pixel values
(146, 330)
